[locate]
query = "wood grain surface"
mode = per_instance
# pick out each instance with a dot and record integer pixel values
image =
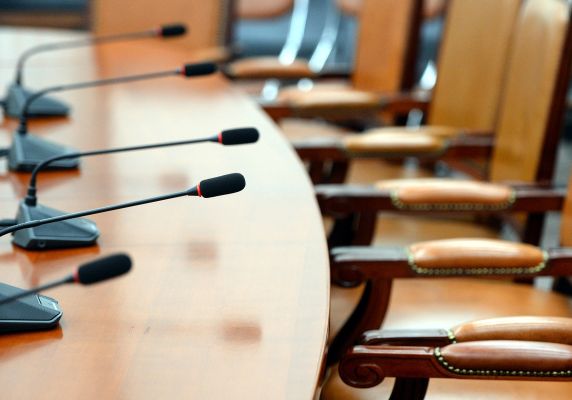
(229, 297)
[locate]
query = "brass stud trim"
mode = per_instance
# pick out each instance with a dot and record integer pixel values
(462, 371)
(459, 271)
(400, 205)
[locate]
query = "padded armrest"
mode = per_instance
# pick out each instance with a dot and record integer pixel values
(507, 358)
(530, 328)
(437, 195)
(526, 328)
(367, 366)
(266, 68)
(448, 258)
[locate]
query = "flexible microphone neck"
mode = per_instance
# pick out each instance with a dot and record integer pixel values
(64, 217)
(171, 30)
(213, 187)
(23, 127)
(226, 137)
(87, 274)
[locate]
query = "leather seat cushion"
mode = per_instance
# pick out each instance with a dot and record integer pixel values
(269, 67)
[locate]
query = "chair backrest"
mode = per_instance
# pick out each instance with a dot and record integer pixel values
(566, 220)
(471, 63)
(209, 21)
(387, 44)
(262, 9)
(532, 107)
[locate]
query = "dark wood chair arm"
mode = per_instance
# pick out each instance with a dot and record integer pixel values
(346, 199)
(320, 149)
(367, 366)
(360, 263)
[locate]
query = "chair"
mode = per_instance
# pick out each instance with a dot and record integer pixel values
(512, 348)
(379, 67)
(524, 146)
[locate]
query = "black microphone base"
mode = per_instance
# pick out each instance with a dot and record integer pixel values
(30, 313)
(28, 150)
(79, 232)
(41, 107)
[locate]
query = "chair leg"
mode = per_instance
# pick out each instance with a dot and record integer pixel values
(354, 229)
(409, 389)
(368, 314)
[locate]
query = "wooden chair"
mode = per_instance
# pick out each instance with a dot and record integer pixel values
(448, 263)
(517, 348)
(381, 66)
(482, 56)
(453, 295)
(530, 117)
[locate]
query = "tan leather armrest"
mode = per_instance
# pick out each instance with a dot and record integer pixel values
(390, 141)
(267, 67)
(507, 358)
(539, 329)
(447, 194)
(455, 256)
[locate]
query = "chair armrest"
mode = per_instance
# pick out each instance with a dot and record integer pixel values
(448, 258)
(367, 366)
(437, 195)
(267, 68)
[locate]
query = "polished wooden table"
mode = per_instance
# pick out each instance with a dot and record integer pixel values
(228, 297)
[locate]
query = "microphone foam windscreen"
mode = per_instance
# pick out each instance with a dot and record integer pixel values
(221, 185)
(231, 137)
(103, 268)
(172, 30)
(198, 69)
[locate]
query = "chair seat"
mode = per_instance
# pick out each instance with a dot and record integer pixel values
(268, 67)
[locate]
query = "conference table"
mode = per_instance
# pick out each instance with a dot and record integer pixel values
(228, 297)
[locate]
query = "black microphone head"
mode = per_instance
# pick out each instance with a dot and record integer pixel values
(102, 269)
(231, 137)
(172, 30)
(219, 186)
(198, 69)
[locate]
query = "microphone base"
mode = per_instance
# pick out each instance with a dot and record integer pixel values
(44, 106)
(79, 232)
(30, 313)
(28, 150)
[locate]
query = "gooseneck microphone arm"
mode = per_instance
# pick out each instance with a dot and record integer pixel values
(207, 188)
(63, 281)
(33, 224)
(23, 127)
(165, 31)
(236, 136)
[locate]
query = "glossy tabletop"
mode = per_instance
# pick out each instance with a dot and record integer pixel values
(228, 297)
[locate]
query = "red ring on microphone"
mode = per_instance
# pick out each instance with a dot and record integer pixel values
(220, 137)
(76, 276)
(199, 190)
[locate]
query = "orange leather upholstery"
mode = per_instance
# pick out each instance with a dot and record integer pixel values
(394, 141)
(529, 328)
(262, 9)
(268, 67)
(507, 357)
(447, 194)
(329, 96)
(456, 255)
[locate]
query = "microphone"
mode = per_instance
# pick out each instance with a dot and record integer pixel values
(229, 137)
(27, 312)
(87, 274)
(84, 232)
(17, 95)
(27, 151)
